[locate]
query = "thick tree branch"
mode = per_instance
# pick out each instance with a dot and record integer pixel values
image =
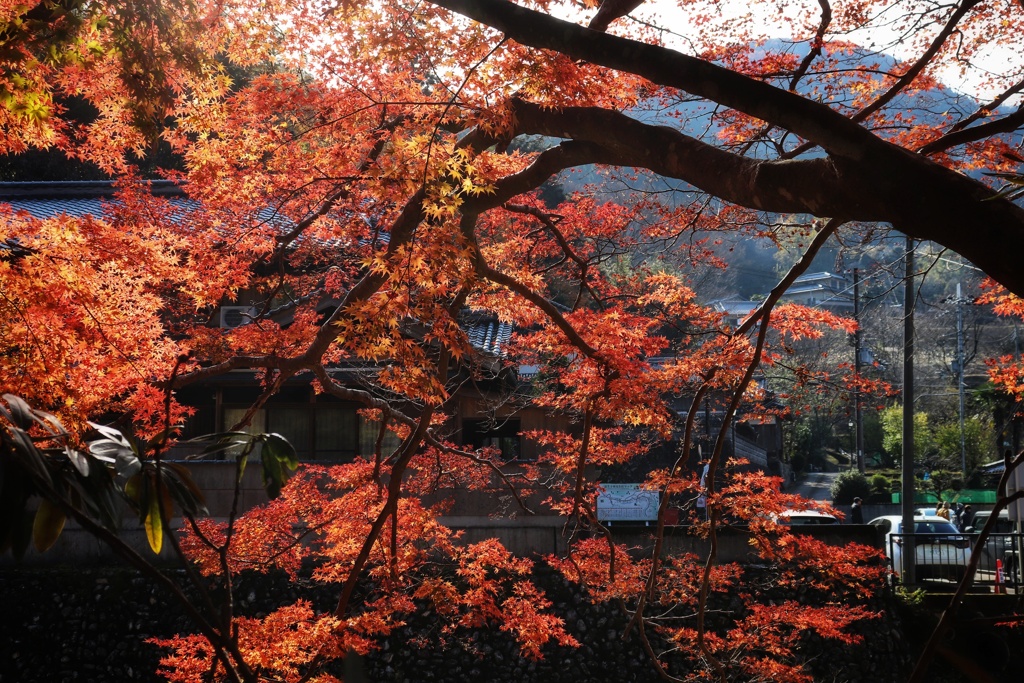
(919, 197)
(1007, 124)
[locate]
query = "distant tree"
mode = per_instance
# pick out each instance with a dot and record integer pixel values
(892, 434)
(978, 439)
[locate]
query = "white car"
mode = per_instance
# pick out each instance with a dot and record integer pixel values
(940, 551)
(804, 517)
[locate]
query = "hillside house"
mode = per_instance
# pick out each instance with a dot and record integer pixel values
(830, 291)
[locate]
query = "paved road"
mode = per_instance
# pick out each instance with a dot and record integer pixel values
(816, 486)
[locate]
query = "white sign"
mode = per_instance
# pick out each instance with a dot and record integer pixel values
(627, 502)
(1014, 483)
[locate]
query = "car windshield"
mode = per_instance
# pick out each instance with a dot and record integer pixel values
(809, 519)
(934, 528)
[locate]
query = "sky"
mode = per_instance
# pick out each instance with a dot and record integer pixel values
(777, 18)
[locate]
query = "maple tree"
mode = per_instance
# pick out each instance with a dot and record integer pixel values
(380, 167)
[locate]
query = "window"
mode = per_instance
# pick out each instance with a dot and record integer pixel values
(369, 430)
(503, 435)
(318, 431)
(336, 431)
(257, 426)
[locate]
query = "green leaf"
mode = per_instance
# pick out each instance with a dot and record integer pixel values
(111, 433)
(127, 465)
(159, 438)
(279, 447)
(20, 413)
(32, 457)
(278, 457)
(109, 450)
(184, 489)
(79, 460)
(48, 524)
(50, 421)
(133, 489)
(153, 524)
(221, 443)
(99, 496)
(273, 476)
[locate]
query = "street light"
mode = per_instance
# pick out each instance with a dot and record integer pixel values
(853, 456)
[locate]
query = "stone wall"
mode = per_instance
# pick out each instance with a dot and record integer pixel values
(70, 624)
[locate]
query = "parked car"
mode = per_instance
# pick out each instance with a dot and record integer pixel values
(803, 517)
(996, 546)
(940, 551)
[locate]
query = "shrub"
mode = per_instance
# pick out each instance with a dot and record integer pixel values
(850, 485)
(881, 484)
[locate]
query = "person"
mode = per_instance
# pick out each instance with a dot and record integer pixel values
(943, 511)
(856, 512)
(967, 518)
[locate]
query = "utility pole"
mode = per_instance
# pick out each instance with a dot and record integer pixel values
(907, 499)
(1014, 422)
(960, 376)
(858, 417)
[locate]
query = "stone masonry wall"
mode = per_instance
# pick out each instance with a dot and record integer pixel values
(62, 625)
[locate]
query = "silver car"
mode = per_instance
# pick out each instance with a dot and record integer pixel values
(940, 550)
(999, 544)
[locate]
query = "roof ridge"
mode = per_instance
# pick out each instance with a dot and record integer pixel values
(80, 189)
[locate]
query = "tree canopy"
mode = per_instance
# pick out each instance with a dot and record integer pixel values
(364, 192)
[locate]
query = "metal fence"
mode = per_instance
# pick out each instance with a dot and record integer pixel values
(944, 558)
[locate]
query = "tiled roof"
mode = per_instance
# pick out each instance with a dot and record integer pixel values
(79, 189)
(88, 198)
(489, 335)
(71, 198)
(820, 275)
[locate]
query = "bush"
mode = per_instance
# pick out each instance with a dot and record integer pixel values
(850, 485)
(881, 484)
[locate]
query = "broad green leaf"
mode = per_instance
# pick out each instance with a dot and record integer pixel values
(111, 433)
(273, 476)
(100, 497)
(80, 462)
(279, 447)
(188, 496)
(109, 450)
(154, 525)
(220, 444)
(21, 413)
(52, 422)
(133, 489)
(46, 527)
(31, 456)
(127, 464)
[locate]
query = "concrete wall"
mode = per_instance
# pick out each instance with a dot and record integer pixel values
(479, 514)
(524, 536)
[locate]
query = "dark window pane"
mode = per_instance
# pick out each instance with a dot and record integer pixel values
(336, 431)
(369, 430)
(293, 423)
(503, 435)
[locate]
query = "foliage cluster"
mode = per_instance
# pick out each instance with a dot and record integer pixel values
(939, 446)
(358, 198)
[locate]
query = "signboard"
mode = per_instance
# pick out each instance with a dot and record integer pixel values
(627, 503)
(1015, 482)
